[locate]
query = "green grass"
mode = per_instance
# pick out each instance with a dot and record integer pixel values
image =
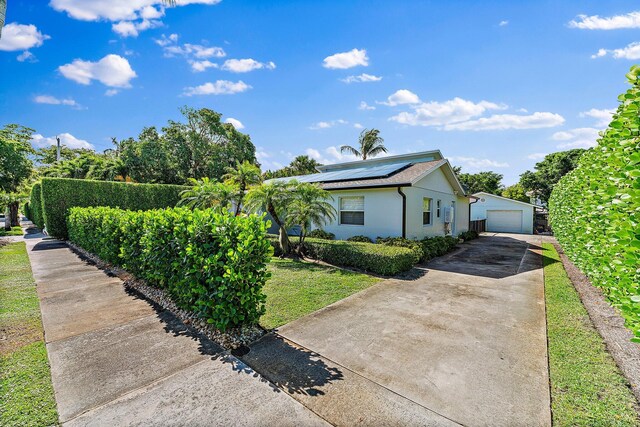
(15, 231)
(26, 393)
(587, 388)
(297, 288)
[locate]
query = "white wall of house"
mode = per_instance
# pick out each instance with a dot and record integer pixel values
(437, 188)
(500, 209)
(382, 214)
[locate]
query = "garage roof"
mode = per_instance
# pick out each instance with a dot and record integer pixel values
(483, 193)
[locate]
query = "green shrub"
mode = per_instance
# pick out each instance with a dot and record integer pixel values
(26, 210)
(401, 242)
(321, 234)
(379, 259)
(212, 263)
(438, 246)
(35, 203)
(61, 194)
(595, 209)
(468, 235)
(361, 239)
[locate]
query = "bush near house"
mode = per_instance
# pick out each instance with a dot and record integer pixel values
(468, 235)
(35, 204)
(361, 239)
(425, 249)
(58, 195)
(212, 263)
(595, 209)
(321, 234)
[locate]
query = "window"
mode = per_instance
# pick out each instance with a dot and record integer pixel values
(426, 211)
(438, 203)
(352, 210)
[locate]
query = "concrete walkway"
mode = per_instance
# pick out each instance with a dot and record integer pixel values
(117, 360)
(465, 344)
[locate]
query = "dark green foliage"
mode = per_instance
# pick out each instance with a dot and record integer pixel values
(489, 182)
(301, 165)
(36, 205)
(361, 239)
(468, 235)
(210, 262)
(548, 172)
(401, 242)
(379, 259)
(61, 194)
(321, 234)
(425, 249)
(595, 209)
(26, 210)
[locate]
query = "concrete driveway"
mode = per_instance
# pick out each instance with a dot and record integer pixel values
(462, 344)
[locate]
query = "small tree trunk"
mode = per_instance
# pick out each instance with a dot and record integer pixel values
(285, 244)
(7, 219)
(13, 214)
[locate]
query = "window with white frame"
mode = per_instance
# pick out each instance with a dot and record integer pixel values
(352, 210)
(426, 211)
(438, 203)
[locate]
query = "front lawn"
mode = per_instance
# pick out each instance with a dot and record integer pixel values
(15, 231)
(297, 288)
(26, 393)
(587, 388)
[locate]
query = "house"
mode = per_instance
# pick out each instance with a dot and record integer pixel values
(410, 195)
(503, 215)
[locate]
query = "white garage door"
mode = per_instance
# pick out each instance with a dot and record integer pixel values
(504, 221)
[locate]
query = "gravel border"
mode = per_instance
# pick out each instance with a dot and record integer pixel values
(233, 338)
(609, 323)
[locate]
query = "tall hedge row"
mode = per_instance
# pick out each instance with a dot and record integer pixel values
(595, 209)
(61, 194)
(212, 263)
(35, 204)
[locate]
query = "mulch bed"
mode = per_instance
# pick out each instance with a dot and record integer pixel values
(609, 323)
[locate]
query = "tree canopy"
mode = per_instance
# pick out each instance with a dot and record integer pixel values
(301, 165)
(489, 181)
(15, 164)
(516, 192)
(549, 171)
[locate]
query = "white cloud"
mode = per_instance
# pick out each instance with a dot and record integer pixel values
(111, 92)
(26, 56)
(400, 97)
(21, 37)
(150, 12)
(536, 156)
(52, 100)
(631, 51)
(200, 66)
(165, 41)
(603, 117)
(475, 163)
(358, 126)
(435, 113)
(344, 60)
(362, 78)
(246, 65)
(364, 106)
(327, 125)
(509, 121)
(115, 10)
(332, 155)
(172, 48)
(616, 22)
(112, 70)
(66, 139)
(220, 87)
(235, 122)
(503, 23)
(577, 138)
(133, 28)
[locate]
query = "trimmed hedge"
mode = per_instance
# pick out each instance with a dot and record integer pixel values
(379, 259)
(361, 239)
(36, 205)
(595, 209)
(61, 194)
(321, 234)
(425, 249)
(212, 263)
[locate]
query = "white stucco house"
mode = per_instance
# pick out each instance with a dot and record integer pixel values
(410, 195)
(503, 215)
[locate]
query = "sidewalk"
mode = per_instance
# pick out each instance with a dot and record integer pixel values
(117, 360)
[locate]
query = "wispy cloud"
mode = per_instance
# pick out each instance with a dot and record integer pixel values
(219, 87)
(362, 78)
(344, 60)
(616, 22)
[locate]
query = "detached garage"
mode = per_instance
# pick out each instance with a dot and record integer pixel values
(503, 215)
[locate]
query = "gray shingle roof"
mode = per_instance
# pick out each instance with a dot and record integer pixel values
(404, 177)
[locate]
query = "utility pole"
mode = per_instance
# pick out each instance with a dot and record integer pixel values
(58, 149)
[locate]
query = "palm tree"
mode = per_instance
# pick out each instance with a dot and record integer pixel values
(273, 198)
(310, 206)
(207, 194)
(243, 176)
(371, 144)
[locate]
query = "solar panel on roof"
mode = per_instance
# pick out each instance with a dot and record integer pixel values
(370, 172)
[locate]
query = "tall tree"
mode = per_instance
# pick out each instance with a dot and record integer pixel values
(370, 144)
(243, 175)
(549, 171)
(489, 181)
(15, 167)
(310, 206)
(516, 192)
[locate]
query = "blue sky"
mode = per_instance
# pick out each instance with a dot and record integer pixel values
(494, 85)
